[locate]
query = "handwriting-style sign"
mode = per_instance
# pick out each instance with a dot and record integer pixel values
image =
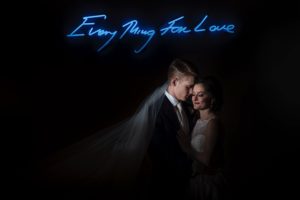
(88, 28)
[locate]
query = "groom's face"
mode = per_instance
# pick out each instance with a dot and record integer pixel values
(183, 87)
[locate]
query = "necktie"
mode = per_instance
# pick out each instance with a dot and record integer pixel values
(182, 118)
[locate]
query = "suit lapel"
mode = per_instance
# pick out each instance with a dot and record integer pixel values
(170, 113)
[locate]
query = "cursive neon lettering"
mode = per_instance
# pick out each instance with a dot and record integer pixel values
(89, 27)
(174, 29)
(132, 28)
(92, 32)
(198, 27)
(226, 28)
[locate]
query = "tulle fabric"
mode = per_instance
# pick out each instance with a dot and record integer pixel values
(109, 157)
(208, 186)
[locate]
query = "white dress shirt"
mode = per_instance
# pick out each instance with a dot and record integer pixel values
(179, 111)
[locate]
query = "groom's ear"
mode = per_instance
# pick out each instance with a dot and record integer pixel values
(175, 81)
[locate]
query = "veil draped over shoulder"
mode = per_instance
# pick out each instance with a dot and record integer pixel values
(112, 156)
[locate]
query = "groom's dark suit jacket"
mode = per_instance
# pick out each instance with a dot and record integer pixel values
(170, 165)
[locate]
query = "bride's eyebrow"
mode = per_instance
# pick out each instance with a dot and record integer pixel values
(200, 92)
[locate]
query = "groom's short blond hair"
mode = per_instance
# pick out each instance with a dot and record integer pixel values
(180, 68)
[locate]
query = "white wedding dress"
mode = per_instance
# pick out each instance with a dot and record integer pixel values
(198, 137)
(203, 185)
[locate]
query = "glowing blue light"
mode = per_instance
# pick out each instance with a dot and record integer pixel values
(91, 32)
(87, 28)
(226, 28)
(133, 29)
(175, 29)
(84, 23)
(197, 28)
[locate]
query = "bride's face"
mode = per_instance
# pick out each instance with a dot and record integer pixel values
(201, 99)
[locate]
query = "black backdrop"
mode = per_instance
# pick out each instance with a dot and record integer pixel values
(63, 91)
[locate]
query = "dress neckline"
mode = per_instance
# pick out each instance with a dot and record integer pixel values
(206, 120)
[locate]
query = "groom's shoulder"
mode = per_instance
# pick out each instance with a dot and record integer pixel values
(166, 101)
(166, 104)
(166, 108)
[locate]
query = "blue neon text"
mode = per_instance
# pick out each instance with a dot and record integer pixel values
(89, 27)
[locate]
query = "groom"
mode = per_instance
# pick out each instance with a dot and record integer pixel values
(171, 168)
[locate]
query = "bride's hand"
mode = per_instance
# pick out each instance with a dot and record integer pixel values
(184, 140)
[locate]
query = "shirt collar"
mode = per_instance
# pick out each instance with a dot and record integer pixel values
(172, 99)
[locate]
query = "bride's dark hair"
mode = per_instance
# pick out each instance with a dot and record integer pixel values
(214, 88)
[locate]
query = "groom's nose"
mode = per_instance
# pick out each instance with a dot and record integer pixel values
(190, 91)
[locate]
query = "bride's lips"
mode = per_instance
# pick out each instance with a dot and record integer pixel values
(196, 103)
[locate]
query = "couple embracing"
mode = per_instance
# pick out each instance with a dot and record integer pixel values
(185, 151)
(179, 144)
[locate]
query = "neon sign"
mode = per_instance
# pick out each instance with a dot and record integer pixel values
(89, 27)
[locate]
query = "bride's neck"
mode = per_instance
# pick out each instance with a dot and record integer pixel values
(206, 114)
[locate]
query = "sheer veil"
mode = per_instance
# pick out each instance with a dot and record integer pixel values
(112, 156)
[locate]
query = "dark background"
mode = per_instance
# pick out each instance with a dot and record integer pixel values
(55, 92)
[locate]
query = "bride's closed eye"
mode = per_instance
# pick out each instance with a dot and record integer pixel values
(199, 94)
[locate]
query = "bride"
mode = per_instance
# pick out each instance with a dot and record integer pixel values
(205, 145)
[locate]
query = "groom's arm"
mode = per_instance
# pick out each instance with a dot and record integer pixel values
(157, 148)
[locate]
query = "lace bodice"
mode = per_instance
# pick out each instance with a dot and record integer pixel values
(198, 137)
